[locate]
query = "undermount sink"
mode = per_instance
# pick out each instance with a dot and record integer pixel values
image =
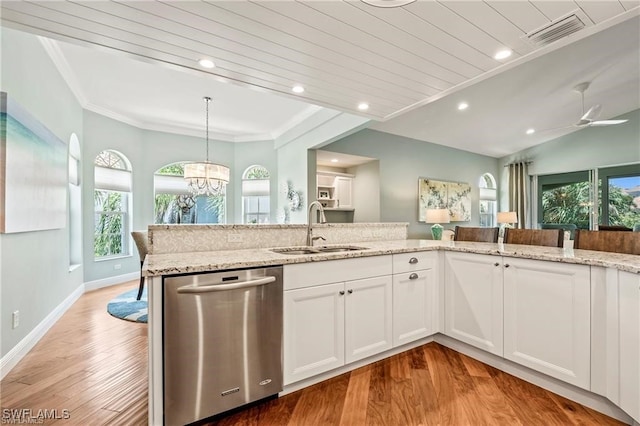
(316, 250)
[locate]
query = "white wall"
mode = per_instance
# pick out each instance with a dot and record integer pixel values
(366, 192)
(147, 151)
(585, 149)
(403, 161)
(34, 266)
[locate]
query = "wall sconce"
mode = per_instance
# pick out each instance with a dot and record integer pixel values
(437, 216)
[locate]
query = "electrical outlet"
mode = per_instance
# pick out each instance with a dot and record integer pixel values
(117, 266)
(234, 238)
(15, 319)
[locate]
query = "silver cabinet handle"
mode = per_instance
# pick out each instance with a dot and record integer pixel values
(413, 260)
(413, 276)
(350, 291)
(190, 289)
(341, 293)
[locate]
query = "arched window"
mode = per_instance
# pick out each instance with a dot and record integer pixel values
(175, 204)
(112, 201)
(488, 200)
(75, 205)
(255, 195)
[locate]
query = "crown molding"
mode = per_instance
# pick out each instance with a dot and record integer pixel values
(55, 53)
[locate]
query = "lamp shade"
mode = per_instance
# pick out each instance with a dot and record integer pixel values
(437, 216)
(507, 217)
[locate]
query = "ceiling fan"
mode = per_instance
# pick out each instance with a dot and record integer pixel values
(589, 118)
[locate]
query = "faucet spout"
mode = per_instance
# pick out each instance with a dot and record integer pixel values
(323, 219)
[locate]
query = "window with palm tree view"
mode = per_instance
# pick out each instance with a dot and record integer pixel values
(175, 204)
(111, 199)
(568, 198)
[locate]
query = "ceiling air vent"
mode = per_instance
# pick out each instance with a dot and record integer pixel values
(557, 29)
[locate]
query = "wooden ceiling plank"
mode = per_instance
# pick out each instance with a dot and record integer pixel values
(600, 11)
(236, 41)
(503, 31)
(257, 59)
(521, 13)
(363, 28)
(249, 33)
(630, 4)
(255, 77)
(555, 9)
(443, 18)
(312, 41)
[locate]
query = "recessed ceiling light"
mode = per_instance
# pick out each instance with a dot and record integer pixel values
(206, 63)
(297, 89)
(502, 54)
(363, 106)
(334, 160)
(531, 131)
(462, 106)
(388, 3)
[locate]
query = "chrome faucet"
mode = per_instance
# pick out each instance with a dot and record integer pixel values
(323, 219)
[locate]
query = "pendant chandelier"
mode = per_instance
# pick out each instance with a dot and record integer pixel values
(206, 178)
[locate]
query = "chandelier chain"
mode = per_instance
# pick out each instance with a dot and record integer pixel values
(207, 101)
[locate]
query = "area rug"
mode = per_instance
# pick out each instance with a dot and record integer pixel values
(126, 307)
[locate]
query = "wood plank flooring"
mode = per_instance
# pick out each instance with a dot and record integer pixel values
(95, 366)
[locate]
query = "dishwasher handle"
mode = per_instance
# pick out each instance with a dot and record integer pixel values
(189, 289)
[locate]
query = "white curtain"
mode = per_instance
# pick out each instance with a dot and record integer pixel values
(518, 196)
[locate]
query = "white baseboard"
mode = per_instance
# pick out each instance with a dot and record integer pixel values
(106, 282)
(23, 347)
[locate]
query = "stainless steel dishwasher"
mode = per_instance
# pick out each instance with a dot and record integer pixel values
(222, 341)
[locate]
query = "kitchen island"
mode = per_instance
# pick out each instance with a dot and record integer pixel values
(573, 336)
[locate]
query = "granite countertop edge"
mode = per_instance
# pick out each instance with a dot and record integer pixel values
(195, 262)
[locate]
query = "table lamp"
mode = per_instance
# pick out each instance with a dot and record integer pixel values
(437, 216)
(506, 220)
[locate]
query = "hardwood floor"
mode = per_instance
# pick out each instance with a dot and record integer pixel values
(89, 363)
(95, 366)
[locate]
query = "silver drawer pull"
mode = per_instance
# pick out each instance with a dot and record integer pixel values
(413, 260)
(413, 276)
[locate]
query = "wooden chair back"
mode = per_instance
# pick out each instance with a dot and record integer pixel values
(614, 228)
(611, 241)
(481, 235)
(534, 237)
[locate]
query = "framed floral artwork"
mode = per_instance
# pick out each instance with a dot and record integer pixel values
(438, 194)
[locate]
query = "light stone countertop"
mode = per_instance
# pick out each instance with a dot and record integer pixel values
(193, 262)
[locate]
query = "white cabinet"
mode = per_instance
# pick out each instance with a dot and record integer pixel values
(629, 309)
(473, 300)
(344, 192)
(547, 318)
(335, 190)
(415, 302)
(329, 323)
(368, 310)
(313, 331)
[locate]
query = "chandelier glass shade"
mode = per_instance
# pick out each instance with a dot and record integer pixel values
(206, 178)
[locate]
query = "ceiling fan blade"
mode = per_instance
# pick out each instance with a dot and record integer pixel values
(607, 122)
(590, 115)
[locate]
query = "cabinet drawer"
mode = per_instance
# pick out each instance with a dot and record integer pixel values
(301, 275)
(409, 262)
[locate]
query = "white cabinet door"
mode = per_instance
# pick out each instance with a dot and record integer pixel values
(313, 331)
(368, 310)
(414, 306)
(547, 315)
(629, 303)
(344, 192)
(473, 300)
